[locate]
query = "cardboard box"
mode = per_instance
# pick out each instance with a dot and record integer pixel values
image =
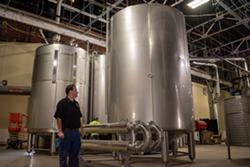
(207, 137)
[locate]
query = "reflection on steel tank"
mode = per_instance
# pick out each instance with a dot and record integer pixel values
(150, 72)
(237, 118)
(55, 67)
(100, 89)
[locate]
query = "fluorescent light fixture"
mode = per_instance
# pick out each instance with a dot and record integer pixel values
(196, 3)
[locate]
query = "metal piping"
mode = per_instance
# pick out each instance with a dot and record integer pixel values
(215, 106)
(246, 67)
(217, 74)
(132, 129)
(213, 60)
(15, 90)
(234, 64)
(146, 134)
(107, 128)
(42, 34)
(58, 11)
(228, 60)
(155, 130)
(152, 1)
(176, 3)
(208, 77)
(57, 37)
(105, 145)
(107, 125)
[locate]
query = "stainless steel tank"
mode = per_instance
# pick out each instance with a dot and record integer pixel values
(100, 88)
(55, 67)
(237, 118)
(150, 71)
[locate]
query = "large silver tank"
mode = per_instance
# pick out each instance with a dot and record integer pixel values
(150, 71)
(100, 88)
(237, 118)
(55, 67)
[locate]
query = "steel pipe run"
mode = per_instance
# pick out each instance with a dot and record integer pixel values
(15, 90)
(57, 37)
(157, 136)
(136, 137)
(107, 128)
(140, 128)
(228, 60)
(216, 71)
(105, 145)
(215, 106)
(130, 133)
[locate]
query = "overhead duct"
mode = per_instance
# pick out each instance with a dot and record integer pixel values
(57, 37)
(216, 72)
(15, 90)
(215, 113)
(208, 77)
(228, 60)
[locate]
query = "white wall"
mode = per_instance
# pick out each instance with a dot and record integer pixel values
(200, 101)
(16, 66)
(16, 63)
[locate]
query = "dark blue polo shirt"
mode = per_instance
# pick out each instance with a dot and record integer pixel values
(69, 112)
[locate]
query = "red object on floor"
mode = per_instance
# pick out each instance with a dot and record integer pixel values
(15, 122)
(200, 125)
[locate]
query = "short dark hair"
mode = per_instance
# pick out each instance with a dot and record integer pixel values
(69, 88)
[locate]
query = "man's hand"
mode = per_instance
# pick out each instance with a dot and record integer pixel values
(60, 134)
(81, 132)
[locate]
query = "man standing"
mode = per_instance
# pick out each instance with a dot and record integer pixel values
(69, 120)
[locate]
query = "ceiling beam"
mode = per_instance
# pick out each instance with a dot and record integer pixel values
(205, 35)
(47, 24)
(235, 15)
(206, 76)
(215, 19)
(109, 8)
(232, 45)
(70, 8)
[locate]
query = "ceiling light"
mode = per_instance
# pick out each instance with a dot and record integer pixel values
(196, 3)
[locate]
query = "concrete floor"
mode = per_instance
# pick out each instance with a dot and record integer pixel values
(206, 156)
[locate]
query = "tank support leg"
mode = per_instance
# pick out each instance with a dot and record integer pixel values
(228, 150)
(165, 148)
(119, 154)
(125, 159)
(191, 146)
(52, 145)
(174, 147)
(30, 140)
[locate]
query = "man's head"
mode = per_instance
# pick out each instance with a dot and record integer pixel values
(71, 91)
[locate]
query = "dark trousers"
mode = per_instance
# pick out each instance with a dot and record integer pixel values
(70, 147)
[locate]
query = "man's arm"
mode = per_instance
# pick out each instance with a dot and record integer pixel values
(81, 127)
(59, 128)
